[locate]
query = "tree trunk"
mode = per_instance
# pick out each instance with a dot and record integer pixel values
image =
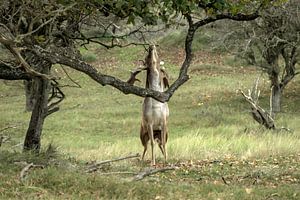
(29, 94)
(276, 99)
(33, 136)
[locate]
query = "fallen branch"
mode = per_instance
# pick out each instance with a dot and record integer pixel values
(151, 171)
(1, 130)
(3, 139)
(223, 179)
(259, 114)
(26, 169)
(96, 166)
(111, 173)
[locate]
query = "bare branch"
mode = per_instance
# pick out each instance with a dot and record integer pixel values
(56, 14)
(96, 166)
(26, 169)
(9, 44)
(56, 93)
(70, 78)
(9, 127)
(151, 171)
(113, 173)
(258, 113)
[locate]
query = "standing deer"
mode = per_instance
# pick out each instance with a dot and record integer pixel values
(154, 113)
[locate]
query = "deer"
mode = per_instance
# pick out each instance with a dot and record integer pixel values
(154, 113)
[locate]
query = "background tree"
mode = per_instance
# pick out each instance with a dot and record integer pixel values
(271, 42)
(39, 34)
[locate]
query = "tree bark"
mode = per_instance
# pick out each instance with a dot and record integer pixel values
(29, 94)
(274, 72)
(33, 135)
(8, 72)
(276, 99)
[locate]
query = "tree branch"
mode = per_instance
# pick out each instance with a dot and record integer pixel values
(95, 167)
(9, 44)
(235, 17)
(151, 171)
(103, 79)
(8, 72)
(26, 169)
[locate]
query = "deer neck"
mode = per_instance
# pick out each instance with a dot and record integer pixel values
(153, 80)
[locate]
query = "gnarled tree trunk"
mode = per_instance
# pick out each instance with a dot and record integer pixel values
(33, 135)
(276, 99)
(30, 89)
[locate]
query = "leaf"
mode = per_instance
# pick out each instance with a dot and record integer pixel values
(248, 190)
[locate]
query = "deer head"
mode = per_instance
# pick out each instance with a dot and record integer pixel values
(152, 65)
(152, 60)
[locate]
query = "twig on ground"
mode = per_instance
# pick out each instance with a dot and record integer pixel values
(1, 130)
(151, 171)
(26, 169)
(17, 145)
(111, 173)
(96, 166)
(3, 139)
(225, 182)
(285, 129)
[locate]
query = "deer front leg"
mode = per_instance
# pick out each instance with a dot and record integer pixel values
(144, 139)
(164, 140)
(151, 136)
(145, 149)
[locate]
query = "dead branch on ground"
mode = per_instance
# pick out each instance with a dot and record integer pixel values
(8, 127)
(151, 171)
(26, 169)
(113, 173)
(96, 166)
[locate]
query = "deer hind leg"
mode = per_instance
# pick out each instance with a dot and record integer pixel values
(164, 136)
(144, 139)
(151, 136)
(159, 137)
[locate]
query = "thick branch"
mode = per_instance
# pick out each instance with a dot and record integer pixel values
(8, 72)
(183, 77)
(103, 79)
(235, 17)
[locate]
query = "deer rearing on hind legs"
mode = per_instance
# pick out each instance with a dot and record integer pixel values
(154, 113)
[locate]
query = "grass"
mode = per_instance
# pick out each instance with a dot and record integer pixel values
(218, 150)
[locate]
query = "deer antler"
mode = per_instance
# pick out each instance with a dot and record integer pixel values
(135, 72)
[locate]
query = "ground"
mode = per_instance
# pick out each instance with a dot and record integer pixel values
(216, 149)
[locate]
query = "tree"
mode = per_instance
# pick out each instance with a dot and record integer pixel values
(271, 42)
(39, 34)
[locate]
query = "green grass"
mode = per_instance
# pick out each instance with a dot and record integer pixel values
(212, 137)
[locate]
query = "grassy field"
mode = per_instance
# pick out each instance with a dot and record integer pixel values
(218, 151)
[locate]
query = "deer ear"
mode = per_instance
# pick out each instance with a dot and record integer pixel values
(165, 78)
(166, 82)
